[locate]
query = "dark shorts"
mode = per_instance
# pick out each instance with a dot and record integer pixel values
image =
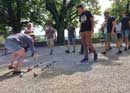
(125, 33)
(85, 31)
(119, 35)
(71, 39)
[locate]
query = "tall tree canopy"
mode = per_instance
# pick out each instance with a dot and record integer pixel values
(64, 12)
(16, 13)
(119, 6)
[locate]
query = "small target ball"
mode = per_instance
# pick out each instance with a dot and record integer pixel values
(35, 74)
(29, 69)
(21, 75)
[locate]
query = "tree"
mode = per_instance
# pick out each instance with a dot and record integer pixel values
(64, 12)
(17, 13)
(14, 14)
(119, 6)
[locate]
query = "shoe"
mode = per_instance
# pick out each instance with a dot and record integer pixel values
(73, 51)
(90, 51)
(85, 60)
(67, 51)
(95, 57)
(104, 53)
(125, 49)
(51, 52)
(11, 67)
(32, 54)
(110, 48)
(129, 47)
(81, 53)
(119, 52)
(17, 72)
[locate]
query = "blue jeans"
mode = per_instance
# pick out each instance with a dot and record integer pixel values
(125, 33)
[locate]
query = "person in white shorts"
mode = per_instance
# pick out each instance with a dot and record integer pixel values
(51, 37)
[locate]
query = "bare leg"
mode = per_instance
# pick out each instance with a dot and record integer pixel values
(20, 59)
(19, 63)
(13, 59)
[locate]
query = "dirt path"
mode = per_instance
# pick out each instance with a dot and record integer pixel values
(111, 74)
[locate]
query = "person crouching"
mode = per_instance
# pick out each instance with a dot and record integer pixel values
(19, 44)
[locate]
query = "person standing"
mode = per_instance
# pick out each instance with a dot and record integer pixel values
(51, 37)
(86, 30)
(111, 35)
(19, 44)
(125, 27)
(71, 38)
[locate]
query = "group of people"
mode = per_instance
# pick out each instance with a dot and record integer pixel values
(116, 31)
(113, 32)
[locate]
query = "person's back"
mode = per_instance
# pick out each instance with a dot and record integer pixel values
(23, 40)
(18, 43)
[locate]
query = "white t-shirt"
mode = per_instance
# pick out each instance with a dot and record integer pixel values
(118, 28)
(104, 27)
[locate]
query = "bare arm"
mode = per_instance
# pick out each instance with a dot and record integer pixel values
(92, 23)
(113, 26)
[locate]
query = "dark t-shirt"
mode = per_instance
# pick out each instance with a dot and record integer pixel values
(125, 23)
(85, 20)
(71, 31)
(110, 24)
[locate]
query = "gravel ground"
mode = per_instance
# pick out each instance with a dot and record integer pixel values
(111, 74)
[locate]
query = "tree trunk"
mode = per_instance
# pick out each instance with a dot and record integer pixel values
(60, 35)
(15, 18)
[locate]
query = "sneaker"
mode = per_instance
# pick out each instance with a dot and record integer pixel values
(129, 47)
(81, 53)
(90, 51)
(119, 52)
(17, 72)
(67, 51)
(51, 52)
(85, 60)
(125, 49)
(104, 53)
(95, 57)
(110, 48)
(73, 51)
(32, 54)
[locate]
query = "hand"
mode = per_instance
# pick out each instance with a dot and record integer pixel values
(92, 31)
(112, 33)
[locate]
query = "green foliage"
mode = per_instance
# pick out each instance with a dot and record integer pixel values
(17, 13)
(98, 35)
(117, 7)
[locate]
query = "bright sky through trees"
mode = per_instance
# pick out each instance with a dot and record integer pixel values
(105, 4)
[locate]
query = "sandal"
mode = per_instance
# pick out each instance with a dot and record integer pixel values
(16, 72)
(11, 67)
